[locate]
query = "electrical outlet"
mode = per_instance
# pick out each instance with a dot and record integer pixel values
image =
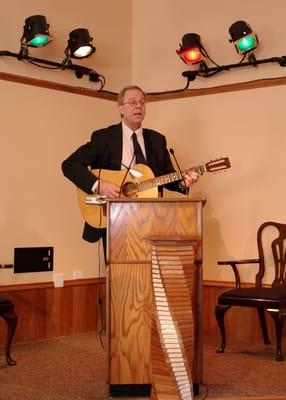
(59, 280)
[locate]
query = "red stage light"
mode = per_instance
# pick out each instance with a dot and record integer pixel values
(191, 56)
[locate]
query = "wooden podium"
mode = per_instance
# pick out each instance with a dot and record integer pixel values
(137, 229)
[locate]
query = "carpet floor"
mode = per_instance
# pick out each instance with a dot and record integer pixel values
(75, 368)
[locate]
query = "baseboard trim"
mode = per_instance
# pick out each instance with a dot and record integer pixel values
(102, 281)
(50, 285)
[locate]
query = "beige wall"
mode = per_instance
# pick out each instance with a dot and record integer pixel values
(108, 22)
(136, 42)
(246, 126)
(158, 27)
(40, 128)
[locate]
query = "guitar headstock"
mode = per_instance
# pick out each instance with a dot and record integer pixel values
(218, 164)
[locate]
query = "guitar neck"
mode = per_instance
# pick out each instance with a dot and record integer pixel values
(168, 178)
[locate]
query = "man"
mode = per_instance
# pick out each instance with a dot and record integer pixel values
(115, 148)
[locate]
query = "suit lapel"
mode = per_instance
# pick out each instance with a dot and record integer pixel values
(116, 144)
(153, 149)
(148, 146)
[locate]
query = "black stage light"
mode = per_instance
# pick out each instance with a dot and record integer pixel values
(80, 44)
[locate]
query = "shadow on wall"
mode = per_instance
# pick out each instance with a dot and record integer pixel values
(213, 243)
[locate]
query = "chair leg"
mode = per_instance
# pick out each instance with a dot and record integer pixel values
(261, 315)
(11, 319)
(220, 310)
(278, 317)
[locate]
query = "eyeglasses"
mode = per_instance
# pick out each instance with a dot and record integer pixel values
(135, 103)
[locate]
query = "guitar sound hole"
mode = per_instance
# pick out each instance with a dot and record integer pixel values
(129, 189)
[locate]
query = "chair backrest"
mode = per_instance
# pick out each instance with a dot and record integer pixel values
(278, 249)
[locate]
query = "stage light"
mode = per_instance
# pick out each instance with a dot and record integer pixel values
(36, 32)
(191, 49)
(243, 37)
(79, 44)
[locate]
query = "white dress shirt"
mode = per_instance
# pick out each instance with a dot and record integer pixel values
(127, 147)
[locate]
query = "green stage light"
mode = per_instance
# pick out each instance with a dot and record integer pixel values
(39, 41)
(243, 37)
(36, 32)
(246, 44)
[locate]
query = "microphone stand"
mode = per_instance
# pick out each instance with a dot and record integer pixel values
(126, 173)
(179, 168)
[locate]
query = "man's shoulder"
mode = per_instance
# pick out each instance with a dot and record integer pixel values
(153, 134)
(108, 130)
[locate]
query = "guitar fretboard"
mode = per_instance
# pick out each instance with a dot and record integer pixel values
(168, 178)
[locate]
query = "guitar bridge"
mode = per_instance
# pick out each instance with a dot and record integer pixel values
(98, 200)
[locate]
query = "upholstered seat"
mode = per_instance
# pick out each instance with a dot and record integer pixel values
(272, 299)
(8, 314)
(267, 296)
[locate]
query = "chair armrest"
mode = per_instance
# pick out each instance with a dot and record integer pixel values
(249, 261)
(233, 264)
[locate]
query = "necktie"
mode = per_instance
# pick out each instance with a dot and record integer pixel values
(139, 156)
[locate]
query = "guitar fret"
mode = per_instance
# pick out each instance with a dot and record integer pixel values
(161, 180)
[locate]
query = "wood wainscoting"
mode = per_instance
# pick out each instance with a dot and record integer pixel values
(45, 312)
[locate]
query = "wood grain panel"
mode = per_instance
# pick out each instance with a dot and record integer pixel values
(45, 312)
(127, 239)
(130, 309)
(174, 271)
(131, 223)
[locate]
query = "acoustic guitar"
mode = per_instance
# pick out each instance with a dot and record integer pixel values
(138, 182)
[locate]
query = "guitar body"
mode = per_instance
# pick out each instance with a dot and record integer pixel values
(95, 214)
(93, 208)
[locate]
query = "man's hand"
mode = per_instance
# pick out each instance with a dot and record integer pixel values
(190, 178)
(108, 189)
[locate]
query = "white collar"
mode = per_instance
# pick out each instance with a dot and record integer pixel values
(128, 132)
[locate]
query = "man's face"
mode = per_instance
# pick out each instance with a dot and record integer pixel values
(133, 108)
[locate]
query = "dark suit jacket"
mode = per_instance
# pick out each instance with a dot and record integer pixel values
(104, 150)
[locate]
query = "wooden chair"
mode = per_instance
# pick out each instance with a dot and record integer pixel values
(8, 314)
(272, 299)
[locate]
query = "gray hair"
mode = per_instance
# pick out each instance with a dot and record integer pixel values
(122, 92)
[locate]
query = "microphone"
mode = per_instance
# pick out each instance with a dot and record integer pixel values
(179, 168)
